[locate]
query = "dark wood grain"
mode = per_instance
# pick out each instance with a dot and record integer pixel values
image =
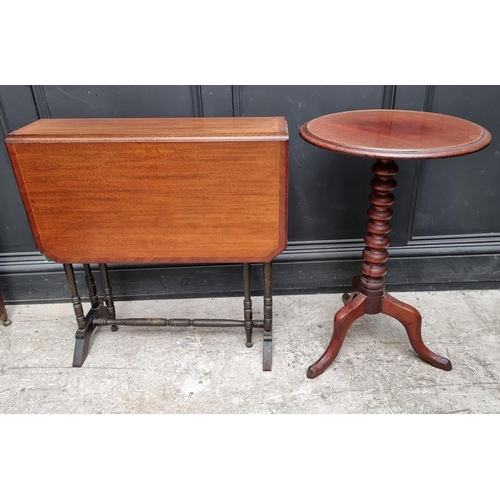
(395, 134)
(155, 190)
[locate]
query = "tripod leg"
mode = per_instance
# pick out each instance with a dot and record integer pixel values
(344, 318)
(412, 321)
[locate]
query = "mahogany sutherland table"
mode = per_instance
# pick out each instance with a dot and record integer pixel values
(165, 190)
(386, 135)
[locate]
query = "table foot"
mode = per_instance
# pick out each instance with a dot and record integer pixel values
(267, 362)
(412, 321)
(342, 322)
(83, 335)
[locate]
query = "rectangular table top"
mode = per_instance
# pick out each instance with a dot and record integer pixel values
(153, 130)
(201, 190)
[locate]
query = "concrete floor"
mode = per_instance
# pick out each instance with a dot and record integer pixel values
(181, 370)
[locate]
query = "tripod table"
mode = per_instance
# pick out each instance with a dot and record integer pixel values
(386, 135)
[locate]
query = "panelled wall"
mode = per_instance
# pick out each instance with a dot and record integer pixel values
(446, 228)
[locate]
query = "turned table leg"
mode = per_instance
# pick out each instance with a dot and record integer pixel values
(108, 294)
(267, 364)
(85, 323)
(89, 280)
(267, 324)
(247, 304)
(368, 295)
(82, 337)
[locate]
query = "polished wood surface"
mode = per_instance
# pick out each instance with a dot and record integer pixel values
(152, 130)
(155, 190)
(395, 134)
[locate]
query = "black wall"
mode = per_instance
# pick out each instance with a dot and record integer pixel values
(446, 228)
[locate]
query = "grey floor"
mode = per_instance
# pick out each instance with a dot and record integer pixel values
(147, 370)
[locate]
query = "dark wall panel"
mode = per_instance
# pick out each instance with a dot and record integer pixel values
(14, 228)
(446, 227)
(460, 196)
(217, 100)
(18, 106)
(16, 110)
(120, 101)
(411, 97)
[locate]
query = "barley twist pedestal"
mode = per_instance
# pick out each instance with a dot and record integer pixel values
(386, 135)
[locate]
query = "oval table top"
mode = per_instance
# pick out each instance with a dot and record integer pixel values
(394, 133)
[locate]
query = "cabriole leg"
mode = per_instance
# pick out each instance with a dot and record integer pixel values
(344, 318)
(410, 318)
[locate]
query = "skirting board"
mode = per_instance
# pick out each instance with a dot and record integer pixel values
(165, 282)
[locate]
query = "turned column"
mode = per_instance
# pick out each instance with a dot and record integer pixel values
(375, 254)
